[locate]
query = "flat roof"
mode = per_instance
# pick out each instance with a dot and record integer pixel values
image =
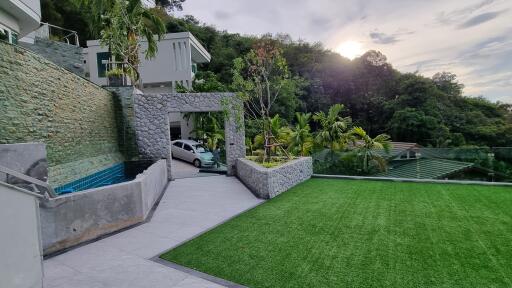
(199, 53)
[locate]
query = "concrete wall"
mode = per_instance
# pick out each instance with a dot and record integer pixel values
(152, 123)
(20, 242)
(28, 158)
(78, 217)
(42, 102)
(267, 183)
(24, 15)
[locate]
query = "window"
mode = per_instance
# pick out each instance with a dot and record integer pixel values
(178, 144)
(201, 149)
(194, 68)
(187, 147)
(14, 37)
(102, 68)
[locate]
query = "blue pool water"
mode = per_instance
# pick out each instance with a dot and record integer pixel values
(112, 175)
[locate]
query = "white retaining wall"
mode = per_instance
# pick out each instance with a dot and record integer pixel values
(20, 242)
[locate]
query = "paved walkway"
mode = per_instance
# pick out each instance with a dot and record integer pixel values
(182, 169)
(189, 207)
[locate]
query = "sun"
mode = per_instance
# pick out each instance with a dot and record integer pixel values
(350, 49)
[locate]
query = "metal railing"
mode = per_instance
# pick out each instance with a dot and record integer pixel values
(48, 191)
(56, 33)
(484, 164)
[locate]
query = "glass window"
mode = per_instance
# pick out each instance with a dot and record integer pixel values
(178, 144)
(187, 147)
(14, 37)
(201, 149)
(102, 68)
(194, 68)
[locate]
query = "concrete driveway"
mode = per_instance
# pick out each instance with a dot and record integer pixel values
(189, 208)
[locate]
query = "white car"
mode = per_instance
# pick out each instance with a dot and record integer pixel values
(193, 152)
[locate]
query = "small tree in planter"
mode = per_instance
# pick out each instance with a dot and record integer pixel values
(116, 77)
(121, 25)
(260, 77)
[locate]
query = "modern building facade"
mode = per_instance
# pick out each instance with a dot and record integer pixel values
(18, 18)
(175, 63)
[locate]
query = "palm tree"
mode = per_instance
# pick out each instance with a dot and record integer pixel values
(121, 25)
(214, 134)
(333, 128)
(369, 147)
(300, 139)
(207, 128)
(277, 135)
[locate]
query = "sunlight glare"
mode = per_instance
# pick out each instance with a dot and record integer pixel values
(350, 49)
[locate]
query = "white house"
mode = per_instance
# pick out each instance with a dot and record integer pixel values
(175, 63)
(19, 17)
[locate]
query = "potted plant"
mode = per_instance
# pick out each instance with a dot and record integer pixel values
(116, 77)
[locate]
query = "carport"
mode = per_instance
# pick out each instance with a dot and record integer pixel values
(152, 118)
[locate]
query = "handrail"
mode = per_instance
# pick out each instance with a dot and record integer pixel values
(29, 179)
(46, 33)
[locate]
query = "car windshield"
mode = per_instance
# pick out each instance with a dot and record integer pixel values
(201, 149)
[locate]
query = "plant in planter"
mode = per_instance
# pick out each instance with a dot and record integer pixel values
(116, 77)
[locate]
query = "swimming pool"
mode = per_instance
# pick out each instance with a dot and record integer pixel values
(118, 173)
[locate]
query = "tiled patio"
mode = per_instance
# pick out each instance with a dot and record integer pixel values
(189, 207)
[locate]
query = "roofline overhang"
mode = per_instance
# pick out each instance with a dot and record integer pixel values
(29, 16)
(194, 44)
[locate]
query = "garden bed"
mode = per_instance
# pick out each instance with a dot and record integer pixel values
(267, 183)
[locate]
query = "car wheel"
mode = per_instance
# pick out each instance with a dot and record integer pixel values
(197, 163)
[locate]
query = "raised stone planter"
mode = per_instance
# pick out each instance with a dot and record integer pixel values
(267, 183)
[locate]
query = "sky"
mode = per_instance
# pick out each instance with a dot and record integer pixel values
(471, 38)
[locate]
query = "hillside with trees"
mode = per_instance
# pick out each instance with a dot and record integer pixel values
(407, 106)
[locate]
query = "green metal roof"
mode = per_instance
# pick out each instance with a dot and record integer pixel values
(424, 168)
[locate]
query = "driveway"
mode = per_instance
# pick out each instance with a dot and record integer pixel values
(189, 208)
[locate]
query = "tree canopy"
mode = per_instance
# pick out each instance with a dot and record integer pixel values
(432, 111)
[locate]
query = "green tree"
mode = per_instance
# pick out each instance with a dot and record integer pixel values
(126, 24)
(170, 5)
(300, 140)
(260, 77)
(333, 127)
(368, 149)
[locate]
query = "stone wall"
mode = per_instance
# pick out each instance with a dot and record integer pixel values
(69, 57)
(152, 123)
(74, 218)
(267, 183)
(42, 102)
(125, 118)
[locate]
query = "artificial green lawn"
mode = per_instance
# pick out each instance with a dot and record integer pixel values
(344, 233)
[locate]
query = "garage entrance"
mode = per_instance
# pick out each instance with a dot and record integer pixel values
(155, 121)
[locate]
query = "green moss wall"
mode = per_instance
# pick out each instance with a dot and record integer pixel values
(42, 102)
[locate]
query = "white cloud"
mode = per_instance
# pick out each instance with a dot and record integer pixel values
(428, 36)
